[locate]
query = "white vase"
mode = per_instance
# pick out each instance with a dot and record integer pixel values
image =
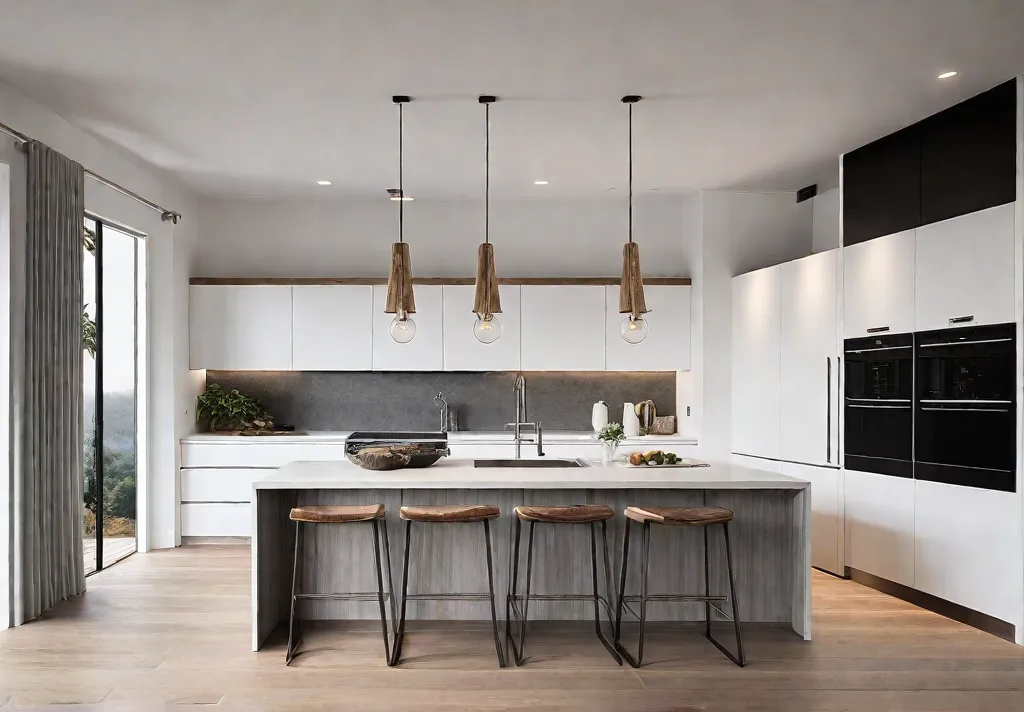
(599, 416)
(608, 449)
(630, 423)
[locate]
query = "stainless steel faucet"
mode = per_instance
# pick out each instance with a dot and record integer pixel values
(439, 399)
(517, 427)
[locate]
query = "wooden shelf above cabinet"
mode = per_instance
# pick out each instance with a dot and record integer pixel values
(372, 281)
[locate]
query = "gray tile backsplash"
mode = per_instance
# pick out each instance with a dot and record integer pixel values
(405, 401)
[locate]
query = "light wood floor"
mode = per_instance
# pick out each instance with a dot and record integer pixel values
(172, 628)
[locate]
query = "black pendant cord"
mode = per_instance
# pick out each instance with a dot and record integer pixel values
(487, 174)
(631, 173)
(401, 177)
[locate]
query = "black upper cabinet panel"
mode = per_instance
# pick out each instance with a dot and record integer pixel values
(882, 187)
(968, 155)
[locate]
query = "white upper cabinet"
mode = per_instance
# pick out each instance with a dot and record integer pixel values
(667, 346)
(332, 328)
(426, 351)
(878, 286)
(756, 354)
(462, 351)
(240, 328)
(810, 364)
(563, 328)
(965, 270)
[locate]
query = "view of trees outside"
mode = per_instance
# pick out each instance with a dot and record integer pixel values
(117, 341)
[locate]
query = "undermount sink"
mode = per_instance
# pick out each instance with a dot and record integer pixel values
(552, 463)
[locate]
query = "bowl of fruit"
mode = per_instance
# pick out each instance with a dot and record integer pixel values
(659, 458)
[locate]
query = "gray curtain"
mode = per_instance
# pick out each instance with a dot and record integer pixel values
(48, 501)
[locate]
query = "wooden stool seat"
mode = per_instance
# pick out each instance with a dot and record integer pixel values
(456, 513)
(572, 514)
(337, 514)
(680, 516)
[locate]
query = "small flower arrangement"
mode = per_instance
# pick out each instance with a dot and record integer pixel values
(612, 434)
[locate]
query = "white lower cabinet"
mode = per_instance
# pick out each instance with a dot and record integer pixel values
(880, 525)
(215, 520)
(968, 547)
(826, 514)
(220, 484)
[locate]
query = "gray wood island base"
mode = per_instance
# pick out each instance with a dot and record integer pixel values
(770, 538)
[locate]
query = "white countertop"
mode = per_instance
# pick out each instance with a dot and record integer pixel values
(456, 438)
(461, 474)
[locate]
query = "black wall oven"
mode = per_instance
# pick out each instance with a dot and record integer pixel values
(966, 415)
(878, 407)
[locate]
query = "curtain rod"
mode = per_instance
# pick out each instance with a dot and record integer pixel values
(165, 214)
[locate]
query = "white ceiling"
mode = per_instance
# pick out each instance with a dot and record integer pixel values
(260, 98)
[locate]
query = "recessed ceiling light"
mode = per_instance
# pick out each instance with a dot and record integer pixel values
(947, 75)
(323, 182)
(406, 198)
(540, 181)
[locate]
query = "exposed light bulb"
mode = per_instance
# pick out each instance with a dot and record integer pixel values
(487, 328)
(633, 329)
(403, 329)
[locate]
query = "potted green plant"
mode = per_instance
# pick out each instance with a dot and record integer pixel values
(610, 436)
(231, 411)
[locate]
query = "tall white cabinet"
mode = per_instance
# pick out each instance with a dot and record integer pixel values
(810, 377)
(756, 363)
(785, 385)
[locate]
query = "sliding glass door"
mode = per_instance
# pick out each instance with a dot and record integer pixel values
(110, 339)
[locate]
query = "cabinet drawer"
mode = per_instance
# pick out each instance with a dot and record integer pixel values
(262, 454)
(216, 520)
(219, 485)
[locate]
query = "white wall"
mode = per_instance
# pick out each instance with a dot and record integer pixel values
(825, 221)
(172, 388)
(531, 238)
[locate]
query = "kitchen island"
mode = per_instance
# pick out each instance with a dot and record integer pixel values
(770, 534)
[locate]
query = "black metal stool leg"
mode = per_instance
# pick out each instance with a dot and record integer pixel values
(643, 591)
(622, 587)
(490, 587)
(739, 659)
(597, 593)
(380, 591)
(396, 656)
(513, 588)
(392, 595)
(707, 586)
(292, 641)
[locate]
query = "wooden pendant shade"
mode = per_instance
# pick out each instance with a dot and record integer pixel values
(400, 296)
(631, 289)
(487, 300)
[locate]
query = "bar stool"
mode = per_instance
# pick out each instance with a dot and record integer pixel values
(342, 514)
(577, 514)
(449, 514)
(703, 517)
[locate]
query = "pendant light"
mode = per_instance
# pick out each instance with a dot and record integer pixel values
(631, 289)
(401, 301)
(487, 301)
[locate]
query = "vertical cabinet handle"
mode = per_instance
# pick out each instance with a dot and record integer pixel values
(828, 409)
